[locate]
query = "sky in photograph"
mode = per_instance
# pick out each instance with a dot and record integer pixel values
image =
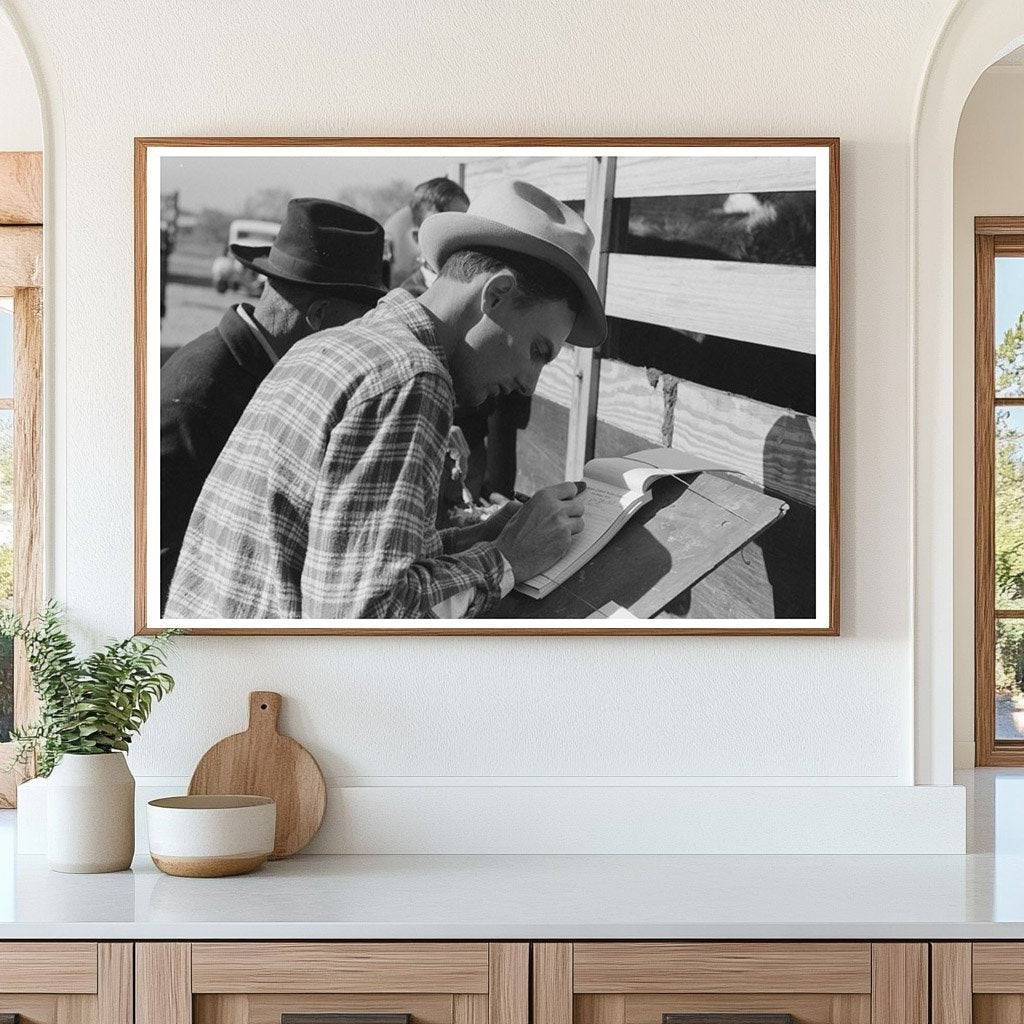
(6, 348)
(1009, 293)
(224, 182)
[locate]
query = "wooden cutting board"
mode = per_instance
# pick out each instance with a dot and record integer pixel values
(262, 762)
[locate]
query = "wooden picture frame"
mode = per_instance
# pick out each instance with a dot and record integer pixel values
(620, 278)
(21, 279)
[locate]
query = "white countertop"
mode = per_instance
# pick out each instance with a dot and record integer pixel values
(532, 897)
(977, 896)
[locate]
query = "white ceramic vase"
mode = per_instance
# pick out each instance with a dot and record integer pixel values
(90, 814)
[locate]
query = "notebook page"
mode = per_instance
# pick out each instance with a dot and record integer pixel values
(611, 471)
(636, 472)
(602, 506)
(649, 465)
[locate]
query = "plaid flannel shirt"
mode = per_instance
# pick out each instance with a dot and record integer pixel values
(323, 501)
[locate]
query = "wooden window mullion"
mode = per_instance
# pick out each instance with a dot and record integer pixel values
(28, 490)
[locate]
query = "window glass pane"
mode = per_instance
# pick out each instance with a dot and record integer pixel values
(6, 349)
(1009, 326)
(6, 567)
(1009, 679)
(1009, 513)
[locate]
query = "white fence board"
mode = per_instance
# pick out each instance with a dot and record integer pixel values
(556, 379)
(763, 303)
(712, 175)
(563, 177)
(773, 447)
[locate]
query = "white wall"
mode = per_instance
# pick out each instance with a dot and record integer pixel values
(443, 714)
(988, 181)
(21, 125)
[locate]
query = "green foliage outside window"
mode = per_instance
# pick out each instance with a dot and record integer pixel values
(1009, 509)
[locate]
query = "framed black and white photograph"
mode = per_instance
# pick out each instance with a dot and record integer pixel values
(464, 386)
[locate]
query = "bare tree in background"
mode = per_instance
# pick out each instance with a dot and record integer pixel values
(378, 201)
(266, 204)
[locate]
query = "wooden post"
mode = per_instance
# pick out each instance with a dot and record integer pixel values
(115, 983)
(899, 983)
(508, 983)
(552, 983)
(597, 211)
(951, 987)
(163, 983)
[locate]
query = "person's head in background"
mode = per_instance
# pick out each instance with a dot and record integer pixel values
(438, 195)
(289, 312)
(322, 270)
(435, 196)
(402, 228)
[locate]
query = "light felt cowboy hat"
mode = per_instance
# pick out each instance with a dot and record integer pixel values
(521, 218)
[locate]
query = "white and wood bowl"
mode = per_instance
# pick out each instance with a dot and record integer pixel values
(211, 836)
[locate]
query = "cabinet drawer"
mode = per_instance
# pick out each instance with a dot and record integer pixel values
(981, 982)
(48, 967)
(737, 982)
(998, 967)
(66, 982)
(634, 967)
(261, 982)
(340, 967)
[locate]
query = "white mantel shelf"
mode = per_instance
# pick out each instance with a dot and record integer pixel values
(907, 896)
(531, 897)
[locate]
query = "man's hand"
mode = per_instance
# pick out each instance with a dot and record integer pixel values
(487, 530)
(539, 534)
(490, 529)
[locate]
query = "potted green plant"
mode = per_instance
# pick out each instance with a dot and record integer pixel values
(89, 710)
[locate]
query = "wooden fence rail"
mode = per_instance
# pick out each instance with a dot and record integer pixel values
(709, 176)
(763, 304)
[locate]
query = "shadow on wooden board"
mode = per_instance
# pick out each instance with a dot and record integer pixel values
(771, 577)
(687, 530)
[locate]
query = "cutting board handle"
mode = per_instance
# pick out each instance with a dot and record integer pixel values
(264, 710)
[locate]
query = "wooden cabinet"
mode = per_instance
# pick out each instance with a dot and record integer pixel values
(815, 982)
(259, 982)
(494, 983)
(66, 982)
(980, 982)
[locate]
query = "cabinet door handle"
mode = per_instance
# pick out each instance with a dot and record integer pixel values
(338, 1018)
(727, 1018)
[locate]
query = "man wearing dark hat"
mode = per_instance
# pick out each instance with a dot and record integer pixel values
(321, 505)
(323, 270)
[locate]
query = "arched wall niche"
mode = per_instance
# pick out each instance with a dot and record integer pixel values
(975, 35)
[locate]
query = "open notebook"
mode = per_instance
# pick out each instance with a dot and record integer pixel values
(616, 488)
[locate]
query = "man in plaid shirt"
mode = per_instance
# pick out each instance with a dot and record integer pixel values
(321, 505)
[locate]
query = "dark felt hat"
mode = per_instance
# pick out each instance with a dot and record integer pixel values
(325, 245)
